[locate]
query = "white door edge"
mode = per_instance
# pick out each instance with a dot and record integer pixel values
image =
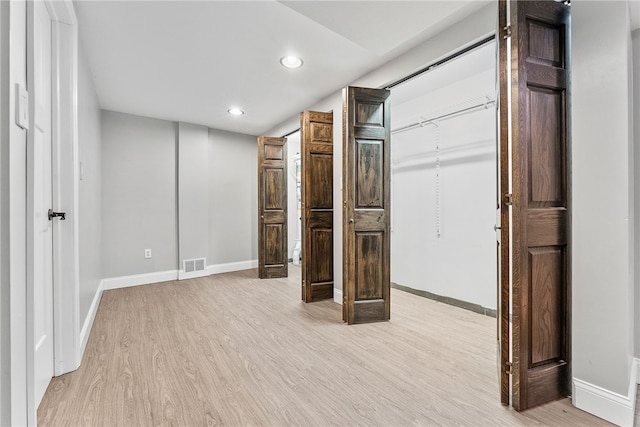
(67, 322)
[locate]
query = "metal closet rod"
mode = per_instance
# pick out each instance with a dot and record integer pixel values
(290, 133)
(442, 61)
(444, 116)
(430, 67)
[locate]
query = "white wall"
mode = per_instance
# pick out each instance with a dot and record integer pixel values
(179, 189)
(636, 120)
(13, 410)
(90, 187)
(193, 192)
(422, 259)
(233, 198)
(4, 291)
(602, 203)
(459, 203)
(138, 194)
(293, 150)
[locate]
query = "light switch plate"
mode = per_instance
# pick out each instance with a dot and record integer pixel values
(22, 107)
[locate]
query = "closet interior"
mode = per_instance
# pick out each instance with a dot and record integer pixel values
(443, 182)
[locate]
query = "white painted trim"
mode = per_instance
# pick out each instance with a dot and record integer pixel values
(165, 276)
(14, 262)
(91, 316)
(192, 274)
(64, 168)
(232, 266)
(139, 279)
(636, 362)
(606, 404)
(67, 322)
(337, 296)
(32, 161)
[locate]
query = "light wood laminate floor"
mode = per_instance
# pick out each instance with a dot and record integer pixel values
(234, 350)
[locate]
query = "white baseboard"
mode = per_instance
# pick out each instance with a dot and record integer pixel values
(88, 321)
(165, 276)
(606, 404)
(192, 274)
(337, 296)
(232, 266)
(139, 279)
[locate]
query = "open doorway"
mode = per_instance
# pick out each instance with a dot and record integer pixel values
(294, 248)
(443, 182)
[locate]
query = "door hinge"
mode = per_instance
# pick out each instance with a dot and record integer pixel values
(506, 32)
(508, 199)
(509, 368)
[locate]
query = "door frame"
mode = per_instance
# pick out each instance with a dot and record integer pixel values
(66, 274)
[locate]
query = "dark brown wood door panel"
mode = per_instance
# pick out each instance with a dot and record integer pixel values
(540, 212)
(316, 146)
(504, 252)
(272, 207)
(366, 193)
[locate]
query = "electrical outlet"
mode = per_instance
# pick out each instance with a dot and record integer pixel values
(147, 253)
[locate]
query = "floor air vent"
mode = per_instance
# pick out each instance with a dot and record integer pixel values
(191, 265)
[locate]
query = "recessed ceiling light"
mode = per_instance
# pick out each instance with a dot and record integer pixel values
(291, 61)
(235, 111)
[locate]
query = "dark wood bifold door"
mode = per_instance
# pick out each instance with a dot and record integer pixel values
(316, 146)
(272, 207)
(539, 259)
(366, 205)
(504, 188)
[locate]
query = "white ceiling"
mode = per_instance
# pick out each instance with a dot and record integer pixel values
(192, 60)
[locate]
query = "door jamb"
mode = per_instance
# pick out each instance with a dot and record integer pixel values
(64, 162)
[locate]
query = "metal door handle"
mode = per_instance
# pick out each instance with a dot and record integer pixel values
(351, 220)
(261, 216)
(52, 214)
(495, 227)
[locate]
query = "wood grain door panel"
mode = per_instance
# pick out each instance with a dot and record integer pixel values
(504, 182)
(366, 192)
(272, 208)
(369, 179)
(540, 212)
(321, 243)
(320, 165)
(547, 303)
(316, 146)
(274, 199)
(369, 283)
